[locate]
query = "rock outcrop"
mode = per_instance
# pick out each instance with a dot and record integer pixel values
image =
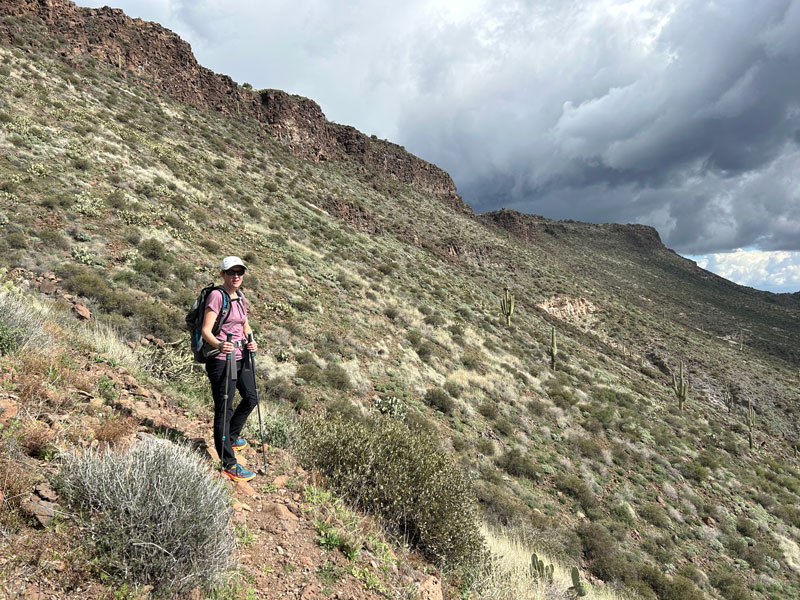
(531, 227)
(166, 64)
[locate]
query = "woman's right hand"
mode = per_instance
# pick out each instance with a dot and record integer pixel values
(226, 348)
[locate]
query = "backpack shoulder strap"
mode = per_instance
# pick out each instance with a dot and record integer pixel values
(225, 310)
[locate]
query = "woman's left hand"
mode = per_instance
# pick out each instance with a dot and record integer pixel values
(252, 346)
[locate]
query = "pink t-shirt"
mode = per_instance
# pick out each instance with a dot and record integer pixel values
(235, 322)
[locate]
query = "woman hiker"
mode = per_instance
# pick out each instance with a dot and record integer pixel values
(232, 271)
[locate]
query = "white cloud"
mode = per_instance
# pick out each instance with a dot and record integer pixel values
(774, 271)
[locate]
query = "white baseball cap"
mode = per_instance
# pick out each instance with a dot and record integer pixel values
(231, 261)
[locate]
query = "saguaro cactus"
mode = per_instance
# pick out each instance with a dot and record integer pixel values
(579, 587)
(681, 388)
(507, 304)
(541, 571)
(751, 422)
(553, 349)
(727, 396)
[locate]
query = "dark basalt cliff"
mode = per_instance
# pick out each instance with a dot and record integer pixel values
(167, 65)
(642, 238)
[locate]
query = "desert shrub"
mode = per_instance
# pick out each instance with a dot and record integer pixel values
(577, 488)
(695, 471)
(391, 312)
(153, 249)
(452, 388)
(488, 409)
(401, 475)
(499, 506)
(471, 360)
(729, 584)
(485, 446)
(587, 447)
(655, 515)
(434, 320)
(154, 513)
(440, 400)
(517, 464)
(425, 351)
(38, 440)
(310, 373)
(560, 392)
(668, 588)
(337, 377)
(53, 239)
(278, 427)
(16, 241)
(504, 427)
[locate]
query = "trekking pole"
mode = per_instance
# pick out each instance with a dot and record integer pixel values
(225, 423)
(258, 403)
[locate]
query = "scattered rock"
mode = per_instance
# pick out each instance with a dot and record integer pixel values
(46, 492)
(8, 409)
(279, 511)
(82, 312)
(42, 510)
(280, 481)
(244, 488)
(47, 287)
(430, 588)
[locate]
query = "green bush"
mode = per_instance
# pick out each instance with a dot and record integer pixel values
(17, 241)
(517, 464)
(278, 427)
(401, 475)
(488, 409)
(575, 487)
(337, 377)
(155, 515)
(440, 400)
(153, 249)
(655, 515)
(310, 373)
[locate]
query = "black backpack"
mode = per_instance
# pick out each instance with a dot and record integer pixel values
(201, 351)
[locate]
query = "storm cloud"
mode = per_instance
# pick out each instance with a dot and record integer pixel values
(681, 114)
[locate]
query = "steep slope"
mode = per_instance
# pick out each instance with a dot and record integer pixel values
(367, 290)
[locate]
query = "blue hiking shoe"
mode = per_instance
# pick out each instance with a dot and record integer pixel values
(239, 444)
(238, 473)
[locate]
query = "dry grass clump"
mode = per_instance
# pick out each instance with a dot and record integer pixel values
(16, 480)
(510, 578)
(113, 429)
(155, 515)
(21, 323)
(38, 440)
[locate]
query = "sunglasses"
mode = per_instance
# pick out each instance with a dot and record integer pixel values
(234, 272)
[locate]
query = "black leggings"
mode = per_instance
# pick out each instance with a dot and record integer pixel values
(217, 371)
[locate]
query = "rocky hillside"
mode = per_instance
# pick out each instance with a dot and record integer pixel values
(127, 171)
(165, 63)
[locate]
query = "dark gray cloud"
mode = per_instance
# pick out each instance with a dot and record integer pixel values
(682, 114)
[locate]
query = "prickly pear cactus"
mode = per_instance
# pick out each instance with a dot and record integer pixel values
(541, 571)
(579, 587)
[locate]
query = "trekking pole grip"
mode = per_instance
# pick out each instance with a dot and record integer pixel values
(249, 340)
